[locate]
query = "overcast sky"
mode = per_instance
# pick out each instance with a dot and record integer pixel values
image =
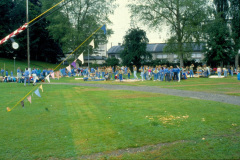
(121, 24)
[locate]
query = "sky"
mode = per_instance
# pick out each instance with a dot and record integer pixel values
(121, 24)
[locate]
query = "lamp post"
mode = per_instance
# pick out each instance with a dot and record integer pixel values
(14, 64)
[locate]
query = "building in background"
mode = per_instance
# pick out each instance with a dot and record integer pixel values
(156, 49)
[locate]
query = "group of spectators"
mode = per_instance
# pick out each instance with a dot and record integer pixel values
(156, 73)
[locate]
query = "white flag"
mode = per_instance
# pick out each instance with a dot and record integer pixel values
(81, 58)
(47, 78)
(69, 68)
(92, 43)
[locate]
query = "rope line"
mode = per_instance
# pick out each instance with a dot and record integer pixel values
(58, 66)
(45, 12)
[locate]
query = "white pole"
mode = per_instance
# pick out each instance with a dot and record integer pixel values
(88, 57)
(28, 45)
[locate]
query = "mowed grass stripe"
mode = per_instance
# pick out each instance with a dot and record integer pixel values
(87, 120)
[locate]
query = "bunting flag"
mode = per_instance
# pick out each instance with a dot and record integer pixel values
(8, 109)
(29, 99)
(92, 44)
(16, 32)
(37, 93)
(22, 103)
(104, 29)
(69, 68)
(47, 78)
(81, 58)
(41, 87)
(74, 64)
(52, 75)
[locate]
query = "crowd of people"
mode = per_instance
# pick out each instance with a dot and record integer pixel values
(156, 73)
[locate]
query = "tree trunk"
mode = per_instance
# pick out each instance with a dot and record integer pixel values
(181, 60)
(236, 60)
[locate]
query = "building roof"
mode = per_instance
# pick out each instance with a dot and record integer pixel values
(152, 48)
(95, 58)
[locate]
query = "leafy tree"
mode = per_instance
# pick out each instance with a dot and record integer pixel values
(219, 46)
(112, 61)
(42, 46)
(235, 27)
(77, 20)
(183, 17)
(135, 45)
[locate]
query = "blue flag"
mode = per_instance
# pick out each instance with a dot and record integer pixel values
(37, 93)
(104, 29)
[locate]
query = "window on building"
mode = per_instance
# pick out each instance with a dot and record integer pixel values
(161, 56)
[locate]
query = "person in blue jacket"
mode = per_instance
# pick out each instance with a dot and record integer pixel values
(2, 72)
(26, 77)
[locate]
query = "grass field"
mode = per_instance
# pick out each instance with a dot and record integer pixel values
(70, 122)
(228, 86)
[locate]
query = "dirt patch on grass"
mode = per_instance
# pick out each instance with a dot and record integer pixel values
(120, 152)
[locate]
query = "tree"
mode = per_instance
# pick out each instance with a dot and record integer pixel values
(183, 17)
(42, 45)
(135, 45)
(77, 20)
(219, 46)
(235, 28)
(112, 61)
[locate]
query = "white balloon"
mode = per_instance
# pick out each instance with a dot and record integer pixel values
(15, 45)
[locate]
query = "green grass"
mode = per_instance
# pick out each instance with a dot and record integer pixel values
(228, 86)
(86, 120)
(9, 64)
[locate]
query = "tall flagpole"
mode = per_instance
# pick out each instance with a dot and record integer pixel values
(28, 45)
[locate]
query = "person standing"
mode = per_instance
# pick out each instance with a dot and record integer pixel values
(26, 77)
(179, 74)
(191, 70)
(121, 74)
(129, 72)
(219, 70)
(231, 70)
(34, 75)
(135, 72)
(2, 72)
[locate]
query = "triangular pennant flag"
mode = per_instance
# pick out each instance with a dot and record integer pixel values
(92, 44)
(52, 75)
(104, 29)
(22, 103)
(47, 78)
(69, 68)
(41, 87)
(81, 58)
(29, 99)
(74, 64)
(37, 93)
(8, 109)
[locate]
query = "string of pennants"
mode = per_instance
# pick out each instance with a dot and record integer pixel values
(29, 98)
